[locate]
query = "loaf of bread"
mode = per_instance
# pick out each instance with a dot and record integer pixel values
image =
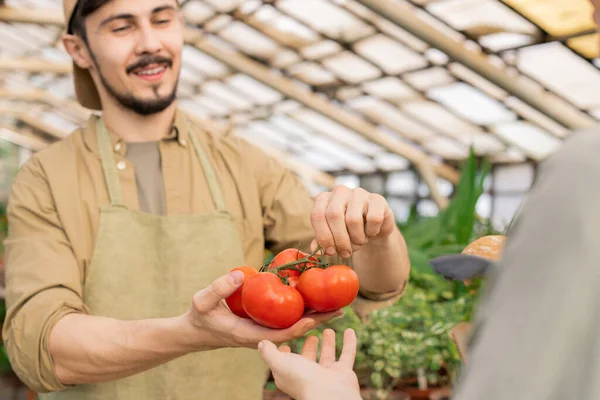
(489, 247)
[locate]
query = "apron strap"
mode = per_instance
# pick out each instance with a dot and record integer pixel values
(209, 172)
(108, 164)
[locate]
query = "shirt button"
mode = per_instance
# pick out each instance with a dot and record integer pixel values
(121, 165)
(183, 142)
(118, 147)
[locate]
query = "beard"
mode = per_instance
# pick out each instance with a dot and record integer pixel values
(136, 104)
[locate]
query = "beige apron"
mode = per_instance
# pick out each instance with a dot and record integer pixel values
(150, 266)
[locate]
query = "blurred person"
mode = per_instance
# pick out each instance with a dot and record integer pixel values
(537, 328)
(121, 236)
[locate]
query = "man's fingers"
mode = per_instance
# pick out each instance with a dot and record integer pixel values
(336, 219)
(349, 349)
(310, 348)
(319, 223)
(355, 217)
(375, 215)
(221, 288)
(328, 348)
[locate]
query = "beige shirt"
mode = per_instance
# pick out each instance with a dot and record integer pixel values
(53, 216)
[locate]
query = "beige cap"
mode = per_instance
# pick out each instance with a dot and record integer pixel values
(85, 88)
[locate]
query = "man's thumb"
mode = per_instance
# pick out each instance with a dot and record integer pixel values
(220, 289)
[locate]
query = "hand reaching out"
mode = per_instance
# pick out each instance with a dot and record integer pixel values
(301, 377)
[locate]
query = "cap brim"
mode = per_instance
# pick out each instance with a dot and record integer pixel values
(85, 89)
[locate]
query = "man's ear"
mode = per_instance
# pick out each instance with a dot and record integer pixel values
(78, 50)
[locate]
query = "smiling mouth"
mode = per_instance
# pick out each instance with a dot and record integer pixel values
(150, 70)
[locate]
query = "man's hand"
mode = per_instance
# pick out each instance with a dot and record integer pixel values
(301, 377)
(210, 316)
(346, 219)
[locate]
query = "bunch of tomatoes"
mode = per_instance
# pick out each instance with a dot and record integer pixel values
(294, 282)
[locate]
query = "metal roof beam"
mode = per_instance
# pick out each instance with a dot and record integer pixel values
(405, 17)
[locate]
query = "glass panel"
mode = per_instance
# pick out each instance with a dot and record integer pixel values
(393, 57)
(322, 49)
(226, 94)
(437, 57)
(254, 89)
(327, 17)
(312, 73)
(351, 68)
(285, 58)
(224, 5)
(249, 40)
(427, 208)
(568, 75)
(527, 112)
(472, 104)
(388, 115)
(402, 184)
(196, 59)
(424, 80)
(496, 25)
(347, 158)
(505, 208)
(351, 181)
(513, 178)
(446, 148)
(484, 206)
(196, 12)
(400, 208)
(512, 155)
(391, 162)
(443, 120)
(282, 28)
(334, 130)
(529, 138)
(502, 41)
(390, 88)
(472, 78)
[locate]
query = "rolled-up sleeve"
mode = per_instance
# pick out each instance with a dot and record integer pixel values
(43, 280)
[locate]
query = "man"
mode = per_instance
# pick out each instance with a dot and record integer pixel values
(116, 230)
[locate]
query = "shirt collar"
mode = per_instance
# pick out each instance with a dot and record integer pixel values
(179, 133)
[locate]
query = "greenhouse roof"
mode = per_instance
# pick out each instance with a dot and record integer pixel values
(345, 86)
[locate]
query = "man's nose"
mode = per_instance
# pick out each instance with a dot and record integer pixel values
(148, 40)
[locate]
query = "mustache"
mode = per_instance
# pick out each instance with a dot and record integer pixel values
(148, 60)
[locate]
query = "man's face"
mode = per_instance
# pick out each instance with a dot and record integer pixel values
(135, 49)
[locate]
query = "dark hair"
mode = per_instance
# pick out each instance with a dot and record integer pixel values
(82, 10)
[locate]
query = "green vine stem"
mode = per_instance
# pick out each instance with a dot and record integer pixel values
(293, 265)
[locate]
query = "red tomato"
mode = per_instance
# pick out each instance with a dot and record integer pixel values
(293, 281)
(287, 256)
(328, 289)
(271, 303)
(235, 300)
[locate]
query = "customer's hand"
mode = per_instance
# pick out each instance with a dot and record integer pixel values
(301, 377)
(216, 326)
